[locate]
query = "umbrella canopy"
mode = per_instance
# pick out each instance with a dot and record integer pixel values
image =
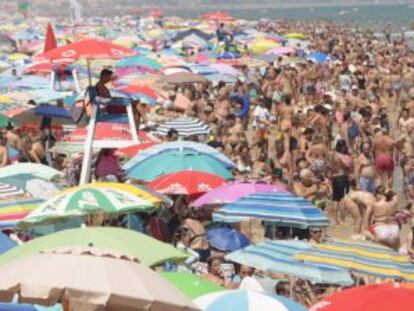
(225, 69)
(34, 169)
(35, 186)
(283, 50)
(128, 242)
(87, 49)
(107, 198)
(59, 115)
(180, 145)
(88, 278)
(243, 300)
(284, 209)
(191, 285)
(139, 61)
(5, 121)
(363, 257)
(377, 297)
(133, 150)
(231, 192)
(295, 35)
(318, 57)
(185, 127)
(175, 161)
(278, 257)
(186, 183)
(183, 77)
(50, 41)
(6, 243)
(218, 16)
(226, 239)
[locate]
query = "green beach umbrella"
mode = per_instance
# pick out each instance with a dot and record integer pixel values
(5, 121)
(149, 251)
(191, 285)
(176, 161)
(92, 199)
(139, 61)
(35, 169)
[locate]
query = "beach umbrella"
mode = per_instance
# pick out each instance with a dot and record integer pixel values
(231, 192)
(283, 209)
(244, 300)
(88, 278)
(92, 199)
(227, 55)
(35, 186)
(376, 297)
(278, 257)
(218, 16)
(133, 150)
(128, 242)
(363, 257)
(117, 134)
(191, 183)
(140, 89)
(176, 161)
(283, 50)
(191, 285)
(14, 210)
(318, 57)
(59, 115)
(260, 46)
(5, 121)
(7, 44)
(180, 145)
(50, 40)
(35, 169)
(86, 49)
(27, 307)
(6, 244)
(295, 35)
(226, 239)
(225, 69)
(182, 77)
(185, 126)
(139, 61)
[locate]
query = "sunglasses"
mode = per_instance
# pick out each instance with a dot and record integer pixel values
(316, 231)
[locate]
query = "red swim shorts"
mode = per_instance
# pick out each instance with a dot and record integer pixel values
(384, 163)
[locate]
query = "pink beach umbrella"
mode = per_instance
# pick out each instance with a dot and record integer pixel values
(231, 192)
(283, 50)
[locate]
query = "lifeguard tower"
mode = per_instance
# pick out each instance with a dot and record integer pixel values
(98, 116)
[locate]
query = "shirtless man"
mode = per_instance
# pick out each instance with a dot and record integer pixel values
(356, 203)
(316, 155)
(383, 147)
(382, 213)
(365, 169)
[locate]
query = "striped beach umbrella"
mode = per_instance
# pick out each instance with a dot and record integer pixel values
(185, 127)
(90, 199)
(278, 257)
(283, 209)
(244, 300)
(14, 210)
(363, 257)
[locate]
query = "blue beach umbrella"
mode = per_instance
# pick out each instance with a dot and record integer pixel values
(318, 57)
(243, 300)
(139, 61)
(226, 239)
(6, 243)
(283, 209)
(278, 257)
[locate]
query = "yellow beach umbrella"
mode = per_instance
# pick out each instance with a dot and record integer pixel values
(262, 45)
(295, 35)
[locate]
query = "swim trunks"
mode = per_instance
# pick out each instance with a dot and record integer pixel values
(340, 187)
(384, 163)
(385, 232)
(367, 184)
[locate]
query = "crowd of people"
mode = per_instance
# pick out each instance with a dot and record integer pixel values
(338, 133)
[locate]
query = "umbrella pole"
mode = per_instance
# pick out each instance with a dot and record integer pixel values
(88, 64)
(131, 121)
(76, 80)
(87, 157)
